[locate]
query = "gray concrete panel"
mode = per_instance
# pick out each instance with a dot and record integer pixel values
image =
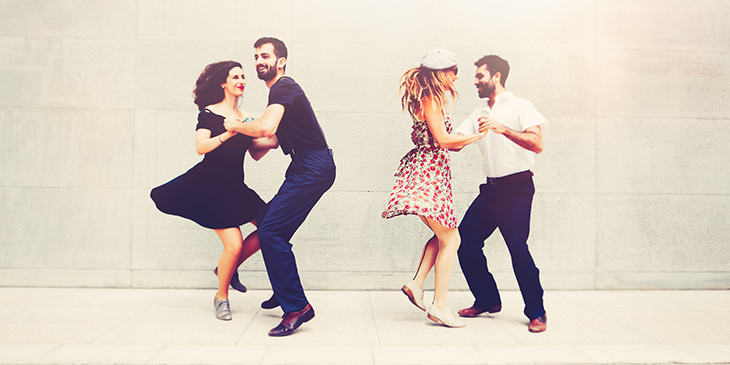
(563, 233)
(67, 72)
(70, 228)
(80, 147)
(650, 233)
(231, 20)
(568, 163)
(662, 156)
(544, 24)
(69, 19)
(662, 83)
(369, 22)
(663, 25)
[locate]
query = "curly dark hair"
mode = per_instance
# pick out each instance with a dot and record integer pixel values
(208, 87)
(279, 46)
(280, 50)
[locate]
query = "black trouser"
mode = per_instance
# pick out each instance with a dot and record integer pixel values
(505, 206)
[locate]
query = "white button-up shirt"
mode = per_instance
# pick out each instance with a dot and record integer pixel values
(501, 156)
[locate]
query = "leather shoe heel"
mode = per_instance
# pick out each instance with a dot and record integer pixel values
(474, 311)
(446, 317)
(292, 321)
(538, 324)
(270, 303)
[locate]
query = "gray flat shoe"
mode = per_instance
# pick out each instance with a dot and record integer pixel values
(222, 309)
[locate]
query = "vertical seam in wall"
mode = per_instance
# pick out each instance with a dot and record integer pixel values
(595, 136)
(134, 144)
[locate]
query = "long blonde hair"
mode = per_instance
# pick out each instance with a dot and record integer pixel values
(420, 82)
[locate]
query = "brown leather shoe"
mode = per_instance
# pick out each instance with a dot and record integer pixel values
(292, 321)
(474, 311)
(538, 324)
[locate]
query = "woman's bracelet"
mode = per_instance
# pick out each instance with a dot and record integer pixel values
(219, 138)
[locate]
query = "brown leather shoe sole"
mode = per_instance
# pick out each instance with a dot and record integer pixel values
(411, 297)
(289, 325)
(473, 311)
(538, 324)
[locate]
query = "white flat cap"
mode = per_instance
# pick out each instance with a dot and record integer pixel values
(439, 59)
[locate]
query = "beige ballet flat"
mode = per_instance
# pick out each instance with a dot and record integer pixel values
(446, 317)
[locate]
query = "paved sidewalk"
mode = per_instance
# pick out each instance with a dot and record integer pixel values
(171, 326)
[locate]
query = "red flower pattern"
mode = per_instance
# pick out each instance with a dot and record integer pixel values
(423, 180)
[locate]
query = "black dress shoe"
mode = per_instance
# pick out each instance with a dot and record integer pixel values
(292, 321)
(270, 303)
(235, 282)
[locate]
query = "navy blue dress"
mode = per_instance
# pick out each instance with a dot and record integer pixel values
(213, 193)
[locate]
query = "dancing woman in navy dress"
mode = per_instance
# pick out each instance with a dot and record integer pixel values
(213, 193)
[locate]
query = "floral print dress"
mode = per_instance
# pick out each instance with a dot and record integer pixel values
(423, 180)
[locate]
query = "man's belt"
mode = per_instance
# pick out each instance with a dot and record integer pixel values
(509, 179)
(306, 151)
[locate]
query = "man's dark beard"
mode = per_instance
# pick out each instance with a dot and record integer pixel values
(267, 75)
(486, 90)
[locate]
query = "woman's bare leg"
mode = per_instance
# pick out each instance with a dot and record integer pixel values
(232, 246)
(448, 244)
(428, 259)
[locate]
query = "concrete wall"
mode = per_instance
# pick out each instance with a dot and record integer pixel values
(96, 109)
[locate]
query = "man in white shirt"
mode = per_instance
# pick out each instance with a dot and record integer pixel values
(505, 200)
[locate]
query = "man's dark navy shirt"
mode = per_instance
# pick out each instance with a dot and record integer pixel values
(299, 128)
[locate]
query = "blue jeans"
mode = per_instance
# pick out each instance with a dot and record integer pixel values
(508, 208)
(310, 174)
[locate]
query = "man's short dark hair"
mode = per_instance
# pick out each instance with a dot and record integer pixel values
(279, 46)
(495, 64)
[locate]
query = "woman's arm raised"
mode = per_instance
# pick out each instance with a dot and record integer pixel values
(205, 144)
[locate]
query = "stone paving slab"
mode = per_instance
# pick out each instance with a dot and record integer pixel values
(175, 326)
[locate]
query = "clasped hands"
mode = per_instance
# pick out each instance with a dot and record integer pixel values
(487, 123)
(230, 123)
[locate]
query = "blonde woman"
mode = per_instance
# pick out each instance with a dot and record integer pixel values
(423, 180)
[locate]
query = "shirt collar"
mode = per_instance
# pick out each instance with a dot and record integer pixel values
(504, 95)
